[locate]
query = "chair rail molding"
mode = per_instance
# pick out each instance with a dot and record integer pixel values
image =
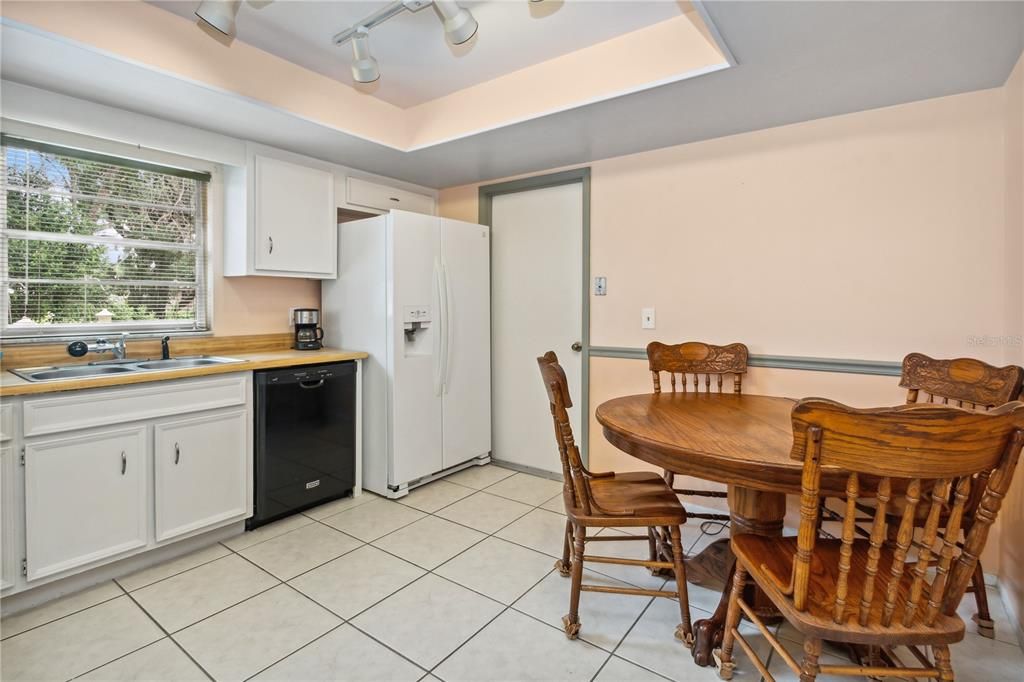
(812, 364)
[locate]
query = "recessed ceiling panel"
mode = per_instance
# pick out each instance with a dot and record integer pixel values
(417, 64)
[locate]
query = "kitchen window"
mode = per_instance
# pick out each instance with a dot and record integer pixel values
(91, 243)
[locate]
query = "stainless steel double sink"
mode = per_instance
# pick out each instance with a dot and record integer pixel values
(110, 367)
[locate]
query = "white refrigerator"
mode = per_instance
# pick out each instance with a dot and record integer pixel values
(413, 291)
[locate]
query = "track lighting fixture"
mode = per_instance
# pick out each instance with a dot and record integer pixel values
(459, 24)
(364, 66)
(220, 14)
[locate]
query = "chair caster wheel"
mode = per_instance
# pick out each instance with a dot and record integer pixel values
(572, 630)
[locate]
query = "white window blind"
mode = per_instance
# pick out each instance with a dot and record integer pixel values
(95, 243)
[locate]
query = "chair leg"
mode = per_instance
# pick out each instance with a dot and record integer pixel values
(564, 565)
(732, 620)
(571, 622)
(809, 667)
(986, 627)
(684, 633)
(943, 663)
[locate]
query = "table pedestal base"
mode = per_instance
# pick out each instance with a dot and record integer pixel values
(752, 511)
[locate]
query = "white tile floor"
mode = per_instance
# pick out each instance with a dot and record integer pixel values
(455, 582)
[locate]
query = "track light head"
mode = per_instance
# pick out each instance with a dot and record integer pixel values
(220, 14)
(459, 24)
(364, 66)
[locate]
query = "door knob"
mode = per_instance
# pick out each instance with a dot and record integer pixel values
(577, 346)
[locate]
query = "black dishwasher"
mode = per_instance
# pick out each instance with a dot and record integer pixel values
(305, 444)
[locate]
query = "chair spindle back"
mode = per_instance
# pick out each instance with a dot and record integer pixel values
(964, 382)
(929, 455)
(575, 488)
(697, 360)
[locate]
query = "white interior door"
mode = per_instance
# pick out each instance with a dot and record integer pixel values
(465, 254)
(536, 264)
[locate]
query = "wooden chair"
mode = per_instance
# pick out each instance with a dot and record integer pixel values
(871, 592)
(976, 385)
(609, 500)
(695, 359)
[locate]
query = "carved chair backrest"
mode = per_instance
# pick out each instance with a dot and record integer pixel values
(696, 359)
(964, 382)
(929, 455)
(575, 487)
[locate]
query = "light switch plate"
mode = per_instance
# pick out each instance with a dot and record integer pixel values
(647, 318)
(600, 286)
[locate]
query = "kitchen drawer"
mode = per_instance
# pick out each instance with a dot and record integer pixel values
(374, 195)
(6, 422)
(99, 407)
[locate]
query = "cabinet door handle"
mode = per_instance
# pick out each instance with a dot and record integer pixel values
(177, 453)
(270, 245)
(124, 463)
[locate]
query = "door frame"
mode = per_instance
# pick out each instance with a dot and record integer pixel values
(486, 194)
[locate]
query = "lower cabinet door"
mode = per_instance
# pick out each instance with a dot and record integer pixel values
(10, 553)
(85, 499)
(201, 466)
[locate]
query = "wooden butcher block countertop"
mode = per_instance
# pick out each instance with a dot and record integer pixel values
(269, 358)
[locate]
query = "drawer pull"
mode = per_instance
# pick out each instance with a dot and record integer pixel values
(124, 463)
(177, 453)
(270, 242)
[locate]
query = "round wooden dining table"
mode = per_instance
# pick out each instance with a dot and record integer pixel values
(741, 440)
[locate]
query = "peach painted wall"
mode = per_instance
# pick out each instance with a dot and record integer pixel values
(846, 237)
(1011, 567)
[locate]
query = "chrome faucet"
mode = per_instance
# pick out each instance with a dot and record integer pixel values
(118, 349)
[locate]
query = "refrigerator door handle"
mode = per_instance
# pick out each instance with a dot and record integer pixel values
(438, 326)
(446, 376)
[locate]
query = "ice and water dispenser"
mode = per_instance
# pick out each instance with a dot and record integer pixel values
(416, 321)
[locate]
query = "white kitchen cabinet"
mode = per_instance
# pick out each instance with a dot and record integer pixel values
(9, 552)
(280, 217)
(200, 472)
(383, 197)
(86, 498)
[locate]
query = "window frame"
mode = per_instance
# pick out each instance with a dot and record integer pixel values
(131, 156)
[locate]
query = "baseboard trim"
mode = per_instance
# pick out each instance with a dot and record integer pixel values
(1016, 619)
(522, 468)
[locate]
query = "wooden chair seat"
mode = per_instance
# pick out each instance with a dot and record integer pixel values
(634, 499)
(611, 500)
(902, 586)
(770, 562)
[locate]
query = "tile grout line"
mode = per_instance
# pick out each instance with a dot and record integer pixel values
(84, 608)
(321, 521)
(167, 635)
(486, 535)
(427, 572)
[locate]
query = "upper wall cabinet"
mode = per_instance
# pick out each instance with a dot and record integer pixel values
(280, 218)
(374, 195)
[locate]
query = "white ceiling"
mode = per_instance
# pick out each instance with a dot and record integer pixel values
(417, 64)
(797, 61)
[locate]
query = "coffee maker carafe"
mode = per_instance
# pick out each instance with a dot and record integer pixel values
(308, 334)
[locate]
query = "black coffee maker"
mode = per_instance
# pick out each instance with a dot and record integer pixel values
(308, 334)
